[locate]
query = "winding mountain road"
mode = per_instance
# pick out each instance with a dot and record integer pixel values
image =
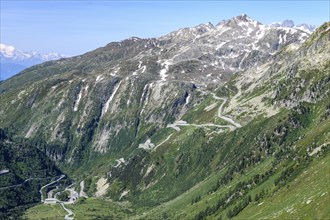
(163, 141)
(48, 184)
(233, 125)
(220, 111)
(20, 184)
(70, 215)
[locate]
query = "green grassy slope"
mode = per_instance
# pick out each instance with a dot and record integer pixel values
(288, 181)
(306, 197)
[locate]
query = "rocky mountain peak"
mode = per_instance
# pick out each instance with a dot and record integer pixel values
(207, 26)
(240, 20)
(288, 23)
(134, 39)
(244, 18)
(202, 28)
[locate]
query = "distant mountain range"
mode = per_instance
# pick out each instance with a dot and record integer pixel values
(14, 60)
(290, 24)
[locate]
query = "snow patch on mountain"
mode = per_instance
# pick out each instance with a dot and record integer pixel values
(164, 70)
(76, 105)
(77, 101)
(98, 78)
(106, 107)
(187, 99)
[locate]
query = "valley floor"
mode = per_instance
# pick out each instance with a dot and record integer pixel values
(306, 197)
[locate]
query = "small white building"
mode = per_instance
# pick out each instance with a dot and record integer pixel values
(4, 171)
(51, 201)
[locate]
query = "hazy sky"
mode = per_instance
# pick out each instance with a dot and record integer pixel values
(75, 27)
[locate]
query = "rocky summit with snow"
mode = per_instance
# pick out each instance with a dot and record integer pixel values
(210, 122)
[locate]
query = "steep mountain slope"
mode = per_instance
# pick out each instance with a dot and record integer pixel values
(288, 140)
(117, 92)
(26, 170)
(205, 122)
(13, 60)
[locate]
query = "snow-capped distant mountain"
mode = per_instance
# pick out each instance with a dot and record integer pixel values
(307, 28)
(289, 23)
(14, 60)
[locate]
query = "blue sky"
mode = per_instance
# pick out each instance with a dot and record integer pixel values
(75, 27)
